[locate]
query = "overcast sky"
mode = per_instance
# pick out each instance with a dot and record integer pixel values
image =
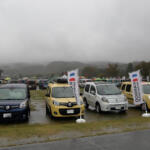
(79, 30)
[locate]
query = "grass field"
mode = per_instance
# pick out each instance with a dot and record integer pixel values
(21, 131)
(37, 94)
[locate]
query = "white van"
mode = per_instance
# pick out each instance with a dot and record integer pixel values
(104, 97)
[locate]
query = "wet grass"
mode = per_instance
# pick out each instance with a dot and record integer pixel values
(23, 131)
(37, 94)
(32, 107)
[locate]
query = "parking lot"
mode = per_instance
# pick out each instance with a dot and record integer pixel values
(41, 128)
(38, 115)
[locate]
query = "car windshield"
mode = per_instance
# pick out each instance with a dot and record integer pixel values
(43, 82)
(109, 89)
(12, 93)
(62, 92)
(32, 82)
(146, 89)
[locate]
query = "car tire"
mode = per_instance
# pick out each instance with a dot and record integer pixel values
(86, 103)
(51, 115)
(47, 111)
(123, 111)
(98, 108)
(27, 116)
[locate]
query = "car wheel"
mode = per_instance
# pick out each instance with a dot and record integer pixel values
(46, 109)
(27, 116)
(85, 103)
(98, 108)
(51, 115)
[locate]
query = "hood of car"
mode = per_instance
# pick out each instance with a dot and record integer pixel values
(65, 100)
(10, 102)
(115, 98)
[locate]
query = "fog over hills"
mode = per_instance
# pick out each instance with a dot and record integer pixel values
(56, 67)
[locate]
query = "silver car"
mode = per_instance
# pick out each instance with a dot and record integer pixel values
(104, 97)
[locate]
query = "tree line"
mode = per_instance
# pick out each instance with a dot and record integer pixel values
(114, 70)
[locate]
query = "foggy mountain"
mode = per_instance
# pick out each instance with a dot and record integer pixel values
(56, 67)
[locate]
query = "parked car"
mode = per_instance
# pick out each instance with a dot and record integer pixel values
(14, 81)
(14, 101)
(1, 81)
(61, 101)
(104, 97)
(126, 88)
(82, 82)
(32, 84)
(43, 83)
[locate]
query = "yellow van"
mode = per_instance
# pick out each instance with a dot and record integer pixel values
(61, 101)
(127, 91)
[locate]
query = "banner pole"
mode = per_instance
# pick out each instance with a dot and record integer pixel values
(146, 114)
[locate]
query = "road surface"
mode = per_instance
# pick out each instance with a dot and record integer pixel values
(139, 140)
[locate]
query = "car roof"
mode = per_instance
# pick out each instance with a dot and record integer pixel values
(58, 85)
(85, 79)
(13, 85)
(130, 82)
(99, 83)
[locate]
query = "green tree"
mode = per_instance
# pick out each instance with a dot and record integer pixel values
(1, 71)
(112, 70)
(130, 68)
(144, 67)
(90, 71)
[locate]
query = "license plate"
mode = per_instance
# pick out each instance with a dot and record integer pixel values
(7, 115)
(117, 107)
(70, 111)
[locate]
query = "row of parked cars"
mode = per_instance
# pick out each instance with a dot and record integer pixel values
(61, 102)
(32, 83)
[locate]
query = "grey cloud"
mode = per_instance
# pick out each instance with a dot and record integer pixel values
(84, 30)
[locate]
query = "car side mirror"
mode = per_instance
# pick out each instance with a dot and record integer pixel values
(47, 95)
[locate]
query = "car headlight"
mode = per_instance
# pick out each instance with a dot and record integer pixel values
(104, 99)
(125, 99)
(23, 104)
(56, 103)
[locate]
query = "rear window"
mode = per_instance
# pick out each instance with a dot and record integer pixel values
(87, 87)
(128, 88)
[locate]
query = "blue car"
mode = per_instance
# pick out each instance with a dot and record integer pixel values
(14, 102)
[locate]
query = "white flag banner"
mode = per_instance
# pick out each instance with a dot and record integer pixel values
(73, 79)
(136, 87)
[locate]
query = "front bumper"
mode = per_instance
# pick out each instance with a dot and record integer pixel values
(61, 111)
(115, 107)
(17, 114)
